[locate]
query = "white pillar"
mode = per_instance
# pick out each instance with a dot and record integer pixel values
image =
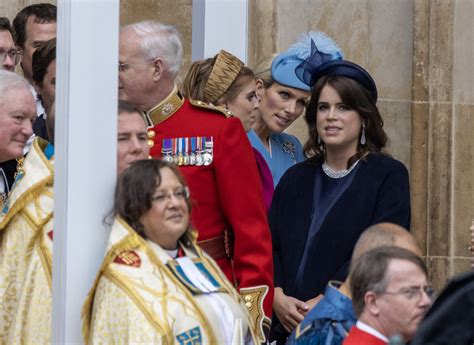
(85, 153)
(219, 24)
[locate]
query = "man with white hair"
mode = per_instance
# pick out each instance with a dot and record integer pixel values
(27, 207)
(214, 156)
(17, 113)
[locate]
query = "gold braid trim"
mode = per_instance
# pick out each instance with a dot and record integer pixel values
(156, 261)
(212, 266)
(165, 108)
(46, 257)
(130, 242)
(34, 191)
(225, 70)
(126, 243)
(123, 283)
(253, 299)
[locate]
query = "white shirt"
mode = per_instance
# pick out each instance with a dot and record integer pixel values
(39, 112)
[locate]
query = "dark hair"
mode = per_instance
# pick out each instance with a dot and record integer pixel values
(42, 58)
(43, 13)
(5, 25)
(355, 96)
(198, 74)
(135, 188)
(369, 272)
(127, 107)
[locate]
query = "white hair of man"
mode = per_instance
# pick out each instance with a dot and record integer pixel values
(11, 81)
(160, 41)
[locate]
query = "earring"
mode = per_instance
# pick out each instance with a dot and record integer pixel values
(363, 140)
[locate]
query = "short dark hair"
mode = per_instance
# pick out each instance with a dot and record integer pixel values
(5, 25)
(369, 272)
(135, 188)
(358, 98)
(42, 58)
(44, 13)
(127, 107)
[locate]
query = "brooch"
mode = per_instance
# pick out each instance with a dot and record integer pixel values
(290, 148)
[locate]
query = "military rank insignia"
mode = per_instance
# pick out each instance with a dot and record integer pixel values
(188, 151)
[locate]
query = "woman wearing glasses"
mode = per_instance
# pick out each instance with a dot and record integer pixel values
(155, 285)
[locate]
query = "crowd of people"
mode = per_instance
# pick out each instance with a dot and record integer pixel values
(224, 228)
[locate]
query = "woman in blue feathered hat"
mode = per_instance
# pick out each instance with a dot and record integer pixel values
(283, 98)
(322, 205)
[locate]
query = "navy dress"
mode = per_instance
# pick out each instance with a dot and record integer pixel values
(314, 230)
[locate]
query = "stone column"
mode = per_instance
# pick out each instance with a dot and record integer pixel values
(442, 126)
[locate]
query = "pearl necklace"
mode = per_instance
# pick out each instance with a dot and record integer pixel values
(337, 173)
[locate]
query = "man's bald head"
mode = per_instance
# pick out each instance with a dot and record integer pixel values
(385, 234)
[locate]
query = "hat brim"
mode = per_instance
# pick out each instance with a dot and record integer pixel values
(283, 71)
(350, 70)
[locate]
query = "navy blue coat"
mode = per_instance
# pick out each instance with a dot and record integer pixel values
(379, 192)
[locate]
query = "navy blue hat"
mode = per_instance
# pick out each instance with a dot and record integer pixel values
(284, 65)
(311, 70)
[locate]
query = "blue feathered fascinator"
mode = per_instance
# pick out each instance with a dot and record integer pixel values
(284, 65)
(319, 64)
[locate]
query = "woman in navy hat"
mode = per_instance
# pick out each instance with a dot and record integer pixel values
(283, 97)
(321, 206)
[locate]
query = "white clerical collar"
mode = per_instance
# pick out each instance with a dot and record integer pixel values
(368, 329)
(156, 247)
(173, 253)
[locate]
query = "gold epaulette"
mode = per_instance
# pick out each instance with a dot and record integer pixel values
(211, 107)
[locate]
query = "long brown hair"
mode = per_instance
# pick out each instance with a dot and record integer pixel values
(357, 98)
(135, 188)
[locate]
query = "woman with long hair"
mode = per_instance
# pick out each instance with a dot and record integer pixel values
(322, 205)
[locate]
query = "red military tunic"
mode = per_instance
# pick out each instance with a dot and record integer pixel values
(226, 195)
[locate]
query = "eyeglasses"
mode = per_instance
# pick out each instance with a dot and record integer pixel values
(15, 56)
(414, 293)
(122, 67)
(180, 194)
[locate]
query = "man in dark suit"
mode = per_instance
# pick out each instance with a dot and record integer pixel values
(9, 55)
(34, 25)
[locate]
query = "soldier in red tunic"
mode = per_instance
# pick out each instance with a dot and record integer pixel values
(214, 156)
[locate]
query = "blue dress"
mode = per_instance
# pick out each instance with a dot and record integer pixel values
(328, 323)
(286, 152)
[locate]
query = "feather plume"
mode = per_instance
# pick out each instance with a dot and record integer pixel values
(325, 44)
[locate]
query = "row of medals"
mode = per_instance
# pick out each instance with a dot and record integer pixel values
(198, 158)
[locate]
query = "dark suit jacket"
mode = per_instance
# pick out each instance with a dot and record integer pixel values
(9, 169)
(378, 193)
